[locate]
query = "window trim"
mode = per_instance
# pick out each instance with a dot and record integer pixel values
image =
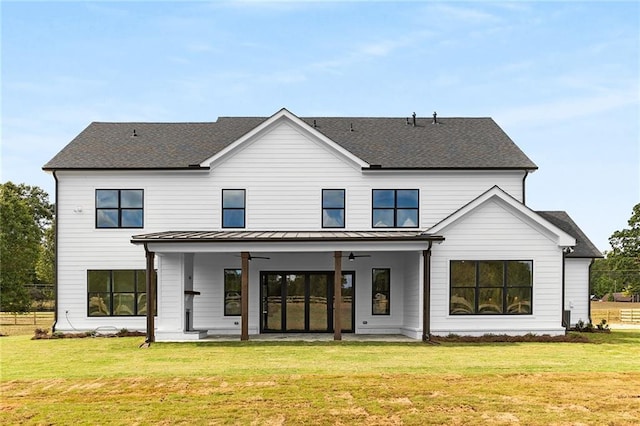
(504, 288)
(395, 208)
(387, 310)
(111, 293)
(243, 209)
(119, 208)
(344, 208)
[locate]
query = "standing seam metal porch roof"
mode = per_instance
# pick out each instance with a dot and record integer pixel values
(452, 143)
(281, 236)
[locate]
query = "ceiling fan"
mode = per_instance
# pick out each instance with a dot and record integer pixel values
(352, 256)
(254, 257)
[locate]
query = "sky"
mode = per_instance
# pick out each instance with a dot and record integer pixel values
(561, 78)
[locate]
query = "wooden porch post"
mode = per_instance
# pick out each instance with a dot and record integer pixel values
(244, 296)
(151, 296)
(337, 296)
(426, 294)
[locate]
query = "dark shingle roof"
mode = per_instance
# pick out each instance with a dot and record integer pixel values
(584, 247)
(453, 143)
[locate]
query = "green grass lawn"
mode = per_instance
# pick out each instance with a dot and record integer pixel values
(112, 381)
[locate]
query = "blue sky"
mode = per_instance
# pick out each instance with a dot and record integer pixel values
(561, 78)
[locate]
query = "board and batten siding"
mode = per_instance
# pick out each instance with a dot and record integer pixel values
(490, 232)
(576, 292)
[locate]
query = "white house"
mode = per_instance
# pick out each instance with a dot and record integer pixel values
(251, 225)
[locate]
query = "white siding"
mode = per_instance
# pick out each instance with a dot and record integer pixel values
(492, 233)
(283, 173)
(577, 289)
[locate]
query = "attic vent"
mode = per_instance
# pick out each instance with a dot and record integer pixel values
(435, 118)
(134, 134)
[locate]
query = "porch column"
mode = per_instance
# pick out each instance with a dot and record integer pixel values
(337, 296)
(244, 296)
(151, 296)
(426, 294)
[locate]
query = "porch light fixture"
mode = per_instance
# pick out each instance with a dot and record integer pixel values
(352, 257)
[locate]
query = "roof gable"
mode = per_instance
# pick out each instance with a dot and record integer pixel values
(282, 116)
(495, 194)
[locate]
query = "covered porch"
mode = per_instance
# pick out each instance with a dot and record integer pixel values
(239, 284)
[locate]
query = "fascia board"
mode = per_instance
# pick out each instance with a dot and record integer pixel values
(515, 207)
(281, 115)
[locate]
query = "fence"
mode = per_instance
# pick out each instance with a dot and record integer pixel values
(630, 315)
(30, 318)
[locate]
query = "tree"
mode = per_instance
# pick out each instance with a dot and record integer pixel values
(620, 270)
(25, 215)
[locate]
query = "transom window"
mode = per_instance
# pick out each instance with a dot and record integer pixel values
(233, 208)
(395, 208)
(333, 208)
(232, 292)
(117, 292)
(119, 208)
(502, 287)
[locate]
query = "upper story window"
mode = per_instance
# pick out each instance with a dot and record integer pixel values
(119, 208)
(333, 208)
(491, 287)
(395, 208)
(233, 208)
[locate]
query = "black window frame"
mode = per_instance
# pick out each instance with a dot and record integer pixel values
(229, 209)
(395, 208)
(343, 208)
(480, 284)
(380, 299)
(119, 208)
(229, 298)
(139, 289)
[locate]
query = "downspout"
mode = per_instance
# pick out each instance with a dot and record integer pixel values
(55, 257)
(524, 197)
(426, 293)
(589, 292)
(151, 297)
(566, 322)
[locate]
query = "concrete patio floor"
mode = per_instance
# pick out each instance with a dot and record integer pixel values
(312, 337)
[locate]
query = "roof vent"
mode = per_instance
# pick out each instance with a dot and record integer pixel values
(351, 127)
(134, 134)
(414, 119)
(314, 124)
(407, 121)
(435, 118)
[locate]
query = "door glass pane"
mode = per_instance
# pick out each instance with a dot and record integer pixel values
(347, 302)
(272, 294)
(318, 295)
(295, 302)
